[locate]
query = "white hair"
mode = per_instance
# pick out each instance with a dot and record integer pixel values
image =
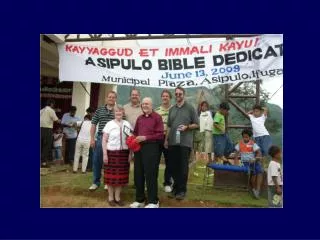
(147, 99)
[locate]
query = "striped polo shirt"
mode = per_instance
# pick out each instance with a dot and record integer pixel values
(102, 116)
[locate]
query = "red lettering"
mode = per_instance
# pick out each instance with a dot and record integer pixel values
(223, 47)
(246, 45)
(194, 50)
(82, 49)
(68, 48)
(184, 51)
(232, 46)
(239, 44)
(153, 50)
(256, 43)
(128, 52)
(90, 50)
(112, 52)
(95, 51)
(143, 52)
(103, 51)
(75, 49)
(172, 51)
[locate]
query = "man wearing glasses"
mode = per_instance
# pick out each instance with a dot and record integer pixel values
(182, 120)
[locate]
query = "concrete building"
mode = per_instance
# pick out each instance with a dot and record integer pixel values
(83, 94)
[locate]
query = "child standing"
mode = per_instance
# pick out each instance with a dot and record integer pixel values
(261, 135)
(221, 141)
(250, 152)
(275, 178)
(206, 122)
(57, 145)
(82, 144)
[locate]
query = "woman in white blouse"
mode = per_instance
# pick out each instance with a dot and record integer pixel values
(116, 156)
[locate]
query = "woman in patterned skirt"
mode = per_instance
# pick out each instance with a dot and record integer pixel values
(116, 157)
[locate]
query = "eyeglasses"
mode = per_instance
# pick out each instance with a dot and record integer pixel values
(179, 94)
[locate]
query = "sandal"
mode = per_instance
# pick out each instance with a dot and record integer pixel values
(120, 203)
(112, 203)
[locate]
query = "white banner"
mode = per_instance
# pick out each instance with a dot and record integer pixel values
(205, 64)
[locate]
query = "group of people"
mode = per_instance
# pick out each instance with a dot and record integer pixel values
(168, 130)
(76, 133)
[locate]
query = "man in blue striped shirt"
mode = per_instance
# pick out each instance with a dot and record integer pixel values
(102, 115)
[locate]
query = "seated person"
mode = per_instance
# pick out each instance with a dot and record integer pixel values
(250, 152)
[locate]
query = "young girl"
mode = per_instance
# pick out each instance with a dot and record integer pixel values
(57, 145)
(206, 122)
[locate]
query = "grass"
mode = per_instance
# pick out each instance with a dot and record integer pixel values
(65, 189)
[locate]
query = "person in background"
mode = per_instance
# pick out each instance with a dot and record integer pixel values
(258, 116)
(197, 140)
(163, 111)
(133, 109)
(82, 144)
(57, 145)
(182, 119)
(47, 118)
(220, 139)
(102, 116)
(116, 156)
(149, 133)
(275, 181)
(69, 122)
(206, 122)
(90, 111)
(250, 156)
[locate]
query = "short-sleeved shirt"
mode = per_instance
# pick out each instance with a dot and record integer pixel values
(102, 116)
(220, 120)
(258, 127)
(84, 133)
(132, 113)
(184, 115)
(247, 156)
(206, 121)
(274, 170)
(117, 137)
(57, 143)
(70, 132)
(47, 117)
(164, 113)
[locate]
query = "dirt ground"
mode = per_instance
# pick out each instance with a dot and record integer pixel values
(63, 189)
(64, 198)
